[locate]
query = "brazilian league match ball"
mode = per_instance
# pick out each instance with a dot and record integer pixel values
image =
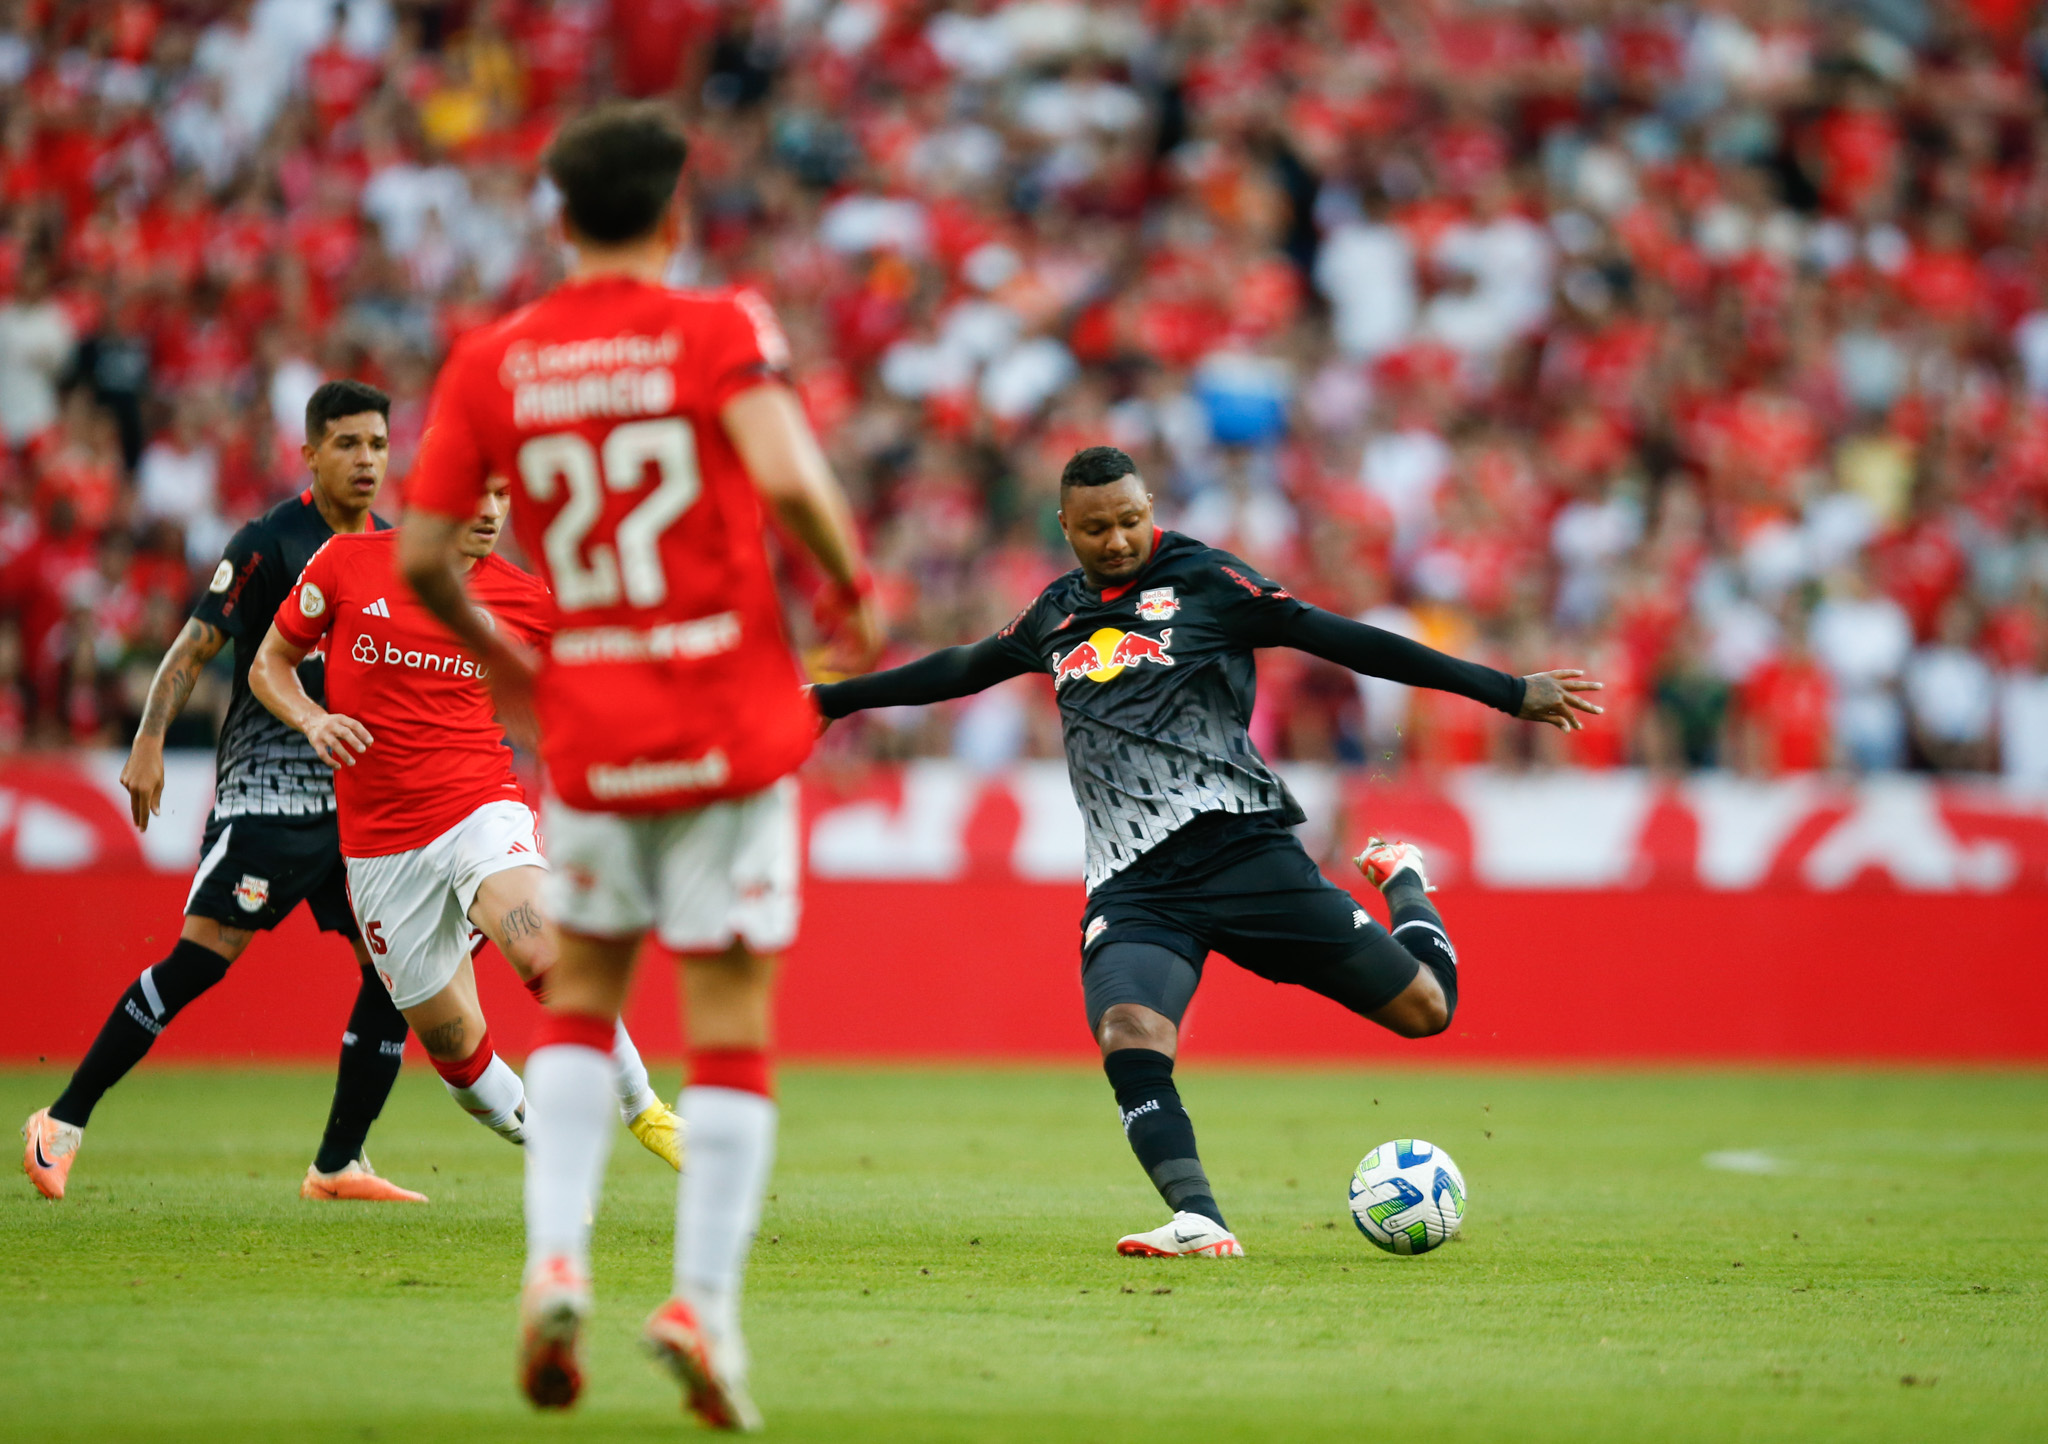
(1407, 1196)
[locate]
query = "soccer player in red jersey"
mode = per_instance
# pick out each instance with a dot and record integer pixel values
(644, 429)
(435, 831)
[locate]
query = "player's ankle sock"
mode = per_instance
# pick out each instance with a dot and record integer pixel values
(143, 1012)
(568, 1135)
(1419, 929)
(372, 1050)
(1159, 1129)
(629, 1075)
(729, 1108)
(488, 1090)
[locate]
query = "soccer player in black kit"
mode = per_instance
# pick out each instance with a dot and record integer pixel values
(271, 841)
(1149, 644)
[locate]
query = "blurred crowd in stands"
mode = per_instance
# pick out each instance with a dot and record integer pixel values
(1703, 346)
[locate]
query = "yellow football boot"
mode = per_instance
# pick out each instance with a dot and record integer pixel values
(660, 1132)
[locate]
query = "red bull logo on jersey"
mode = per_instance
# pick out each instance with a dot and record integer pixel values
(1105, 655)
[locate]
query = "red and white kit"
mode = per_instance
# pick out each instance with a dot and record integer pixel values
(670, 704)
(432, 808)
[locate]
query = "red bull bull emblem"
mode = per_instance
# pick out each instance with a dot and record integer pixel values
(1107, 653)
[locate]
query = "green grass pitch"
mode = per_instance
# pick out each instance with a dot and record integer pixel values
(935, 1264)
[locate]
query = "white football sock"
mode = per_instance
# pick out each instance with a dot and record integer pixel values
(718, 1200)
(568, 1141)
(496, 1099)
(629, 1076)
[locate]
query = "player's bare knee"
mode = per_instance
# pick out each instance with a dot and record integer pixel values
(215, 936)
(1127, 1025)
(1417, 1011)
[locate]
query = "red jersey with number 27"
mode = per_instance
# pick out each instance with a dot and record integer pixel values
(669, 682)
(436, 750)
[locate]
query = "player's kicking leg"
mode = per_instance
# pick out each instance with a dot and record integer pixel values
(1270, 911)
(1426, 1006)
(507, 911)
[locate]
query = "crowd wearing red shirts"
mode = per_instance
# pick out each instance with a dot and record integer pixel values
(1705, 346)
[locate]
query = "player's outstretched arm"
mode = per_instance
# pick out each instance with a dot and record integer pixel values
(1550, 697)
(952, 672)
(274, 678)
(143, 774)
(783, 458)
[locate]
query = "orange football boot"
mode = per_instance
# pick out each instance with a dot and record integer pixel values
(552, 1308)
(358, 1183)
(48, 1148)
(714, 1389)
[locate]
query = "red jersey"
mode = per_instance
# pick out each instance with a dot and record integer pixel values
(436, 751)
(669, 682)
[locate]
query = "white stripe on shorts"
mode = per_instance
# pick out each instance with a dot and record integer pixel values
(208, 863)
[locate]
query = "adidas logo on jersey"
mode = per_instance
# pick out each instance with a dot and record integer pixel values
(378, 608)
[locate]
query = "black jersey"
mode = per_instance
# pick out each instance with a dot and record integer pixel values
(1155, 681)
(262, 766)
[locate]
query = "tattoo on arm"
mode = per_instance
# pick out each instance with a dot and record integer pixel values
(197, 644)
(521, 922)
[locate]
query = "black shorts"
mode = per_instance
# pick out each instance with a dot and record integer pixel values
(1243, 887)
(254, 870)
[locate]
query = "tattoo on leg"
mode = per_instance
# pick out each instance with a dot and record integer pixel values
(445, 1040)
(521, 922)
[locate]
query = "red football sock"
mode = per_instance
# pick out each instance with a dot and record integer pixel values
(468, 1070)
(744, 1069)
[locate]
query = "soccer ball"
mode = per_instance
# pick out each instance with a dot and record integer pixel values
(1407, 1196)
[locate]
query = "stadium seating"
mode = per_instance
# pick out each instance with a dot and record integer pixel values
(1705, 347)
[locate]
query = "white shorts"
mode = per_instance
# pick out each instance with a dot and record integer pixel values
(413, 907)
(699, 879)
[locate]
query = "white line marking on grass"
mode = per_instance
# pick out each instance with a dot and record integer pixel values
(1746, 1160)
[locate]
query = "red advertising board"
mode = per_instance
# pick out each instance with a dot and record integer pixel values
(1599, 917)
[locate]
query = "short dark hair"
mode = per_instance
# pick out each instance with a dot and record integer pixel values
(336, 399)
(617, 166)
(1097, 466)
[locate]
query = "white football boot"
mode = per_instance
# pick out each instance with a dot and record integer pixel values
(1186, 1235)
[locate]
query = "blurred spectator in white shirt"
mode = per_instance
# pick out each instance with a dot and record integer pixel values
(36, 342)
(1863, 638)
(1951, 696)
(1367, 270)
(178, 479)
(2023, 722)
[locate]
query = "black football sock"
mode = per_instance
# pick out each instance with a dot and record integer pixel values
(371, 1051)
(1418, 928)
(150, 1003)
(1159, 1130)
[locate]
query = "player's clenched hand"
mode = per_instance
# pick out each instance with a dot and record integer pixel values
(513, 669)
(1553, 697)
(332, 735)
(857, 640)
(143, 776)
